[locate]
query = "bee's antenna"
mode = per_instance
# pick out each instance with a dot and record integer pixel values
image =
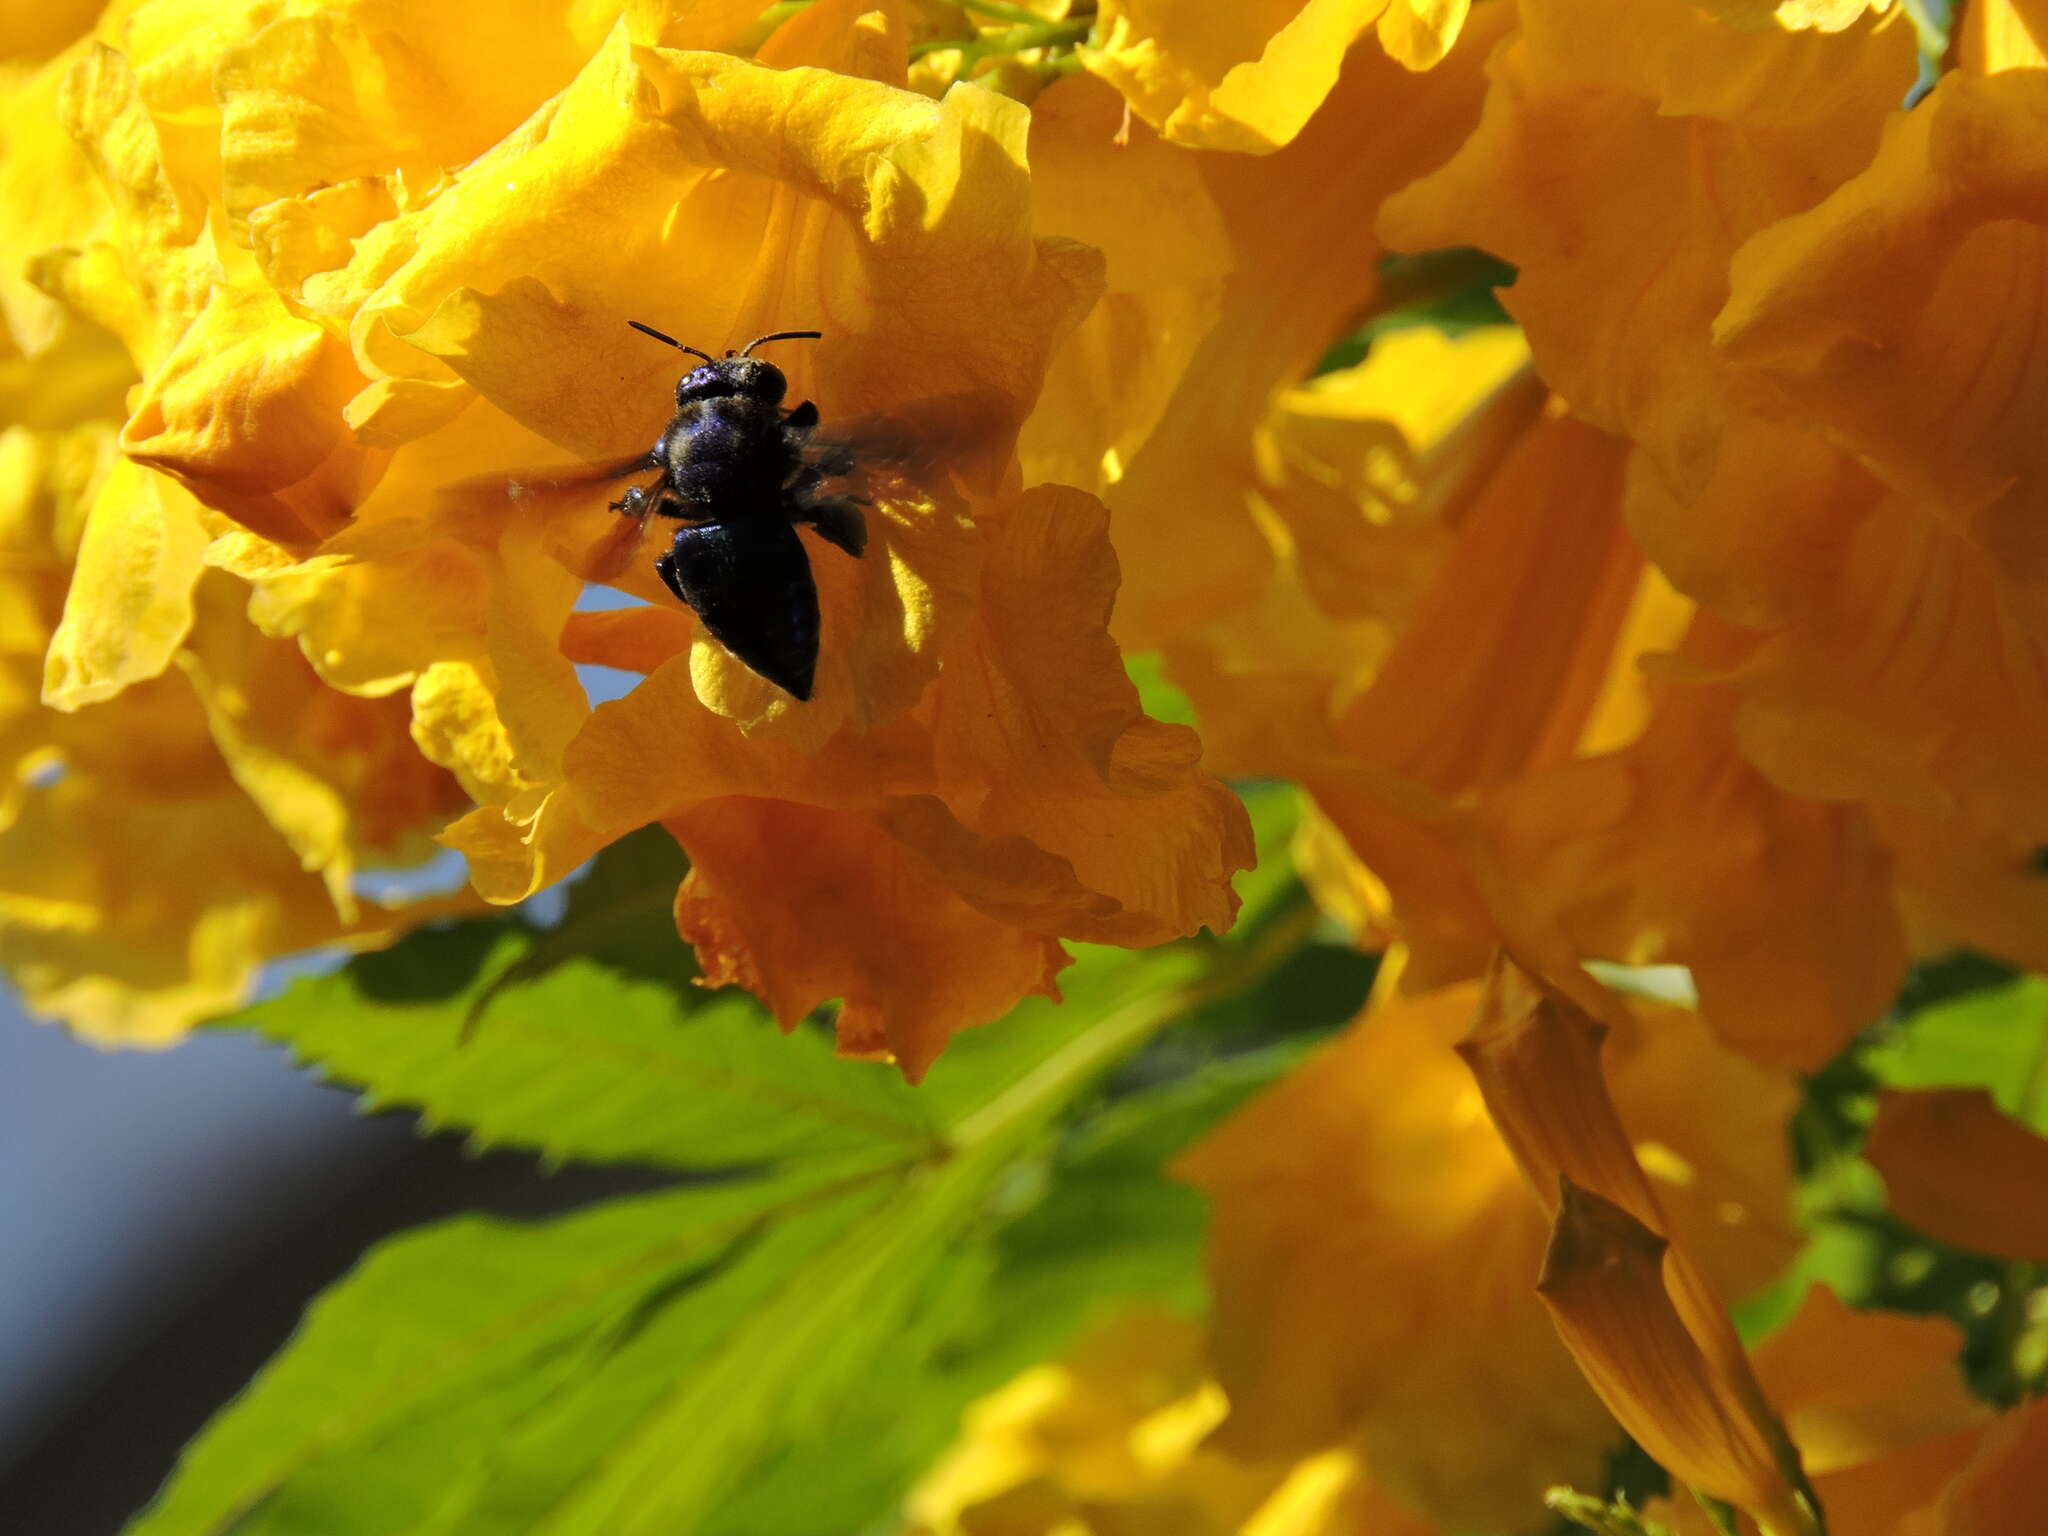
(747, 351)
(657, 335)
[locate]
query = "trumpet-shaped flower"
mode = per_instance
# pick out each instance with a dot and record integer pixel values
(1876, 1404)
(1717, 128)
(404, 295)
(1937, 394)
(1114, 1438)
(1248, 77)
(155, 851)
(1190, 501)
(1375, 1251)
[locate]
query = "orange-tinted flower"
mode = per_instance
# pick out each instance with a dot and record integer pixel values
(1715, 128)
(1113, 1439)
(1193, 502)
(403, 292)
(1882, 318)
(1877, 1406)
(1675, 849)
(1962, 1172)
(1375, 1251)
(1247, 78)
(1604, 1283)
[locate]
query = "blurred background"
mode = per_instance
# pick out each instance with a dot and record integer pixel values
(164, 1218)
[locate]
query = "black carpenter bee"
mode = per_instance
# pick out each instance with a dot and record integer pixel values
(740, 472)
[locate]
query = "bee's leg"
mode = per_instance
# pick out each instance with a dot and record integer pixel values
(838, 519)
(833, 461)
(802, 417)
(803, 485)
(614, 554)
(610, 557)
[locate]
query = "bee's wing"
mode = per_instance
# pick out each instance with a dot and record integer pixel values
(545, 484)
(479, 506)
(965, 433)
(544, 487)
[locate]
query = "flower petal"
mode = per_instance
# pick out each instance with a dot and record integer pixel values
(1674, 849)
(1248, 77)
(1040, 731)
(1603, 1281)
(1921, 681)
(1962, 1172)
(913, 216)
(1373, 1247)
(1536, 1056)
(1143, 203)
(1939, 391)
(129, 606)
(868, 922)
(247, 412)
(1857, 1386)
(1717, 131)
(2002, 1489)
(1303, 268)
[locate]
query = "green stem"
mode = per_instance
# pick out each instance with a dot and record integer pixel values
(1122, 1031)
(1002, 12)
(1044, 34)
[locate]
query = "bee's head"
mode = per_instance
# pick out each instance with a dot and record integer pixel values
(733, 376)
(736, 373)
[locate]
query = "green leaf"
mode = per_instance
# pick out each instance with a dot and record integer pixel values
(438, 1341)
(631, 1370)
(1453, 290)
(1102, 1225)
(620, 914)
(583, 1063)
(1995, 1038)
(1113, 1224)
(642, 1367)
(607, 1053)
(1162, 698)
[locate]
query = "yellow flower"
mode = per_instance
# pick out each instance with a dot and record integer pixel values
(1675, 849)
(1875, 740)
(1146, 205)
(1108, 1436)
(37, 32)
(2001, 1488)
(1603, 1282)
(1506, 770)
(1248, 77)
(1188, 500)
(1374, 1251)
(1960, 1171)
(1858, 1385)
(1876, 1404)
(1881, 319)
(415, 293)
(1112, 1439)
(155, 851)
(1626, 1287)
(1715, 130)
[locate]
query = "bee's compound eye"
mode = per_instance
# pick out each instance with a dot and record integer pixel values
(756, 379)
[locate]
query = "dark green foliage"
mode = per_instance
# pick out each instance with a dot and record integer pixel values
(785, 1340)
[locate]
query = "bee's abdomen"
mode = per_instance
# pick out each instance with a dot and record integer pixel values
(750, 582)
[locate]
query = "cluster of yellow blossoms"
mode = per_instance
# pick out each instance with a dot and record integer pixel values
(1697, 618)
